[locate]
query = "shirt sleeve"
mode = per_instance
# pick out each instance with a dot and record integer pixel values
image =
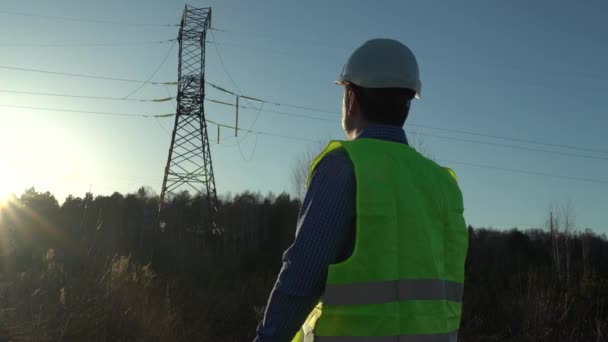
(323, 231)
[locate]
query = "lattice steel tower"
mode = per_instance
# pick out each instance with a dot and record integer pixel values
(189, 165)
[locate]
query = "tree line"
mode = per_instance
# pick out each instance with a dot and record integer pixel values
(100, 268)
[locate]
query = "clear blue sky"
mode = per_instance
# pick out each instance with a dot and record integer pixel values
(519, 69)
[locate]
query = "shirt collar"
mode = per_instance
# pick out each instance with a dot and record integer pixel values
(384, 132)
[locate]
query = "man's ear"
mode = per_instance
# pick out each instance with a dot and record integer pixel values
(352, 102)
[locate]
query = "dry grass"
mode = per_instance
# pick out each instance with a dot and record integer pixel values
(121, 299)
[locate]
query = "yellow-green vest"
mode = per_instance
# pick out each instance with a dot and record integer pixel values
(405, 277)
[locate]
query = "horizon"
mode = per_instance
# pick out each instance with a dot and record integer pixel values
(557, 208)
(511, 99)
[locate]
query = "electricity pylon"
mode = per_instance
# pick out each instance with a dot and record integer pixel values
(189, 165)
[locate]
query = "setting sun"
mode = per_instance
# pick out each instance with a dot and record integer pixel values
(5, 196)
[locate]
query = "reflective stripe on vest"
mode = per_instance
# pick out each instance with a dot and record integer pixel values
(389, 291)
(450, 337)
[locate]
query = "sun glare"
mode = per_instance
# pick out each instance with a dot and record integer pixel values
(4, 198)
(5, 192)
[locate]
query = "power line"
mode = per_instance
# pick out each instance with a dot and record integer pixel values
(150, 116)
(84, 75)
(153, 73)
(255, 145)
(282, 113)
(219, 56)
(85, 111)
(68, 45)
(247, 47)
(513, 146)
(300, 41)
(591, 180)
(302, 107)
(83, 20)
(273, 111)
(221, 89)
(535, 173)
(238, 141)
(270, 102)
(527, 141)
(431, 135)
(331, 120)
(87, 96)
(262, 133)
(165, 99)
(247, 98)
(161, 126)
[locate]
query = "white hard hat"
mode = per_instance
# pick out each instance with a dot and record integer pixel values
(382, 63)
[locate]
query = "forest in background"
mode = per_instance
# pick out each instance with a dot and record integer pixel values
(98, 269)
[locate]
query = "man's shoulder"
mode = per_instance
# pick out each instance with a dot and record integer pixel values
(335, 159)
(335, 164)
(338, 154)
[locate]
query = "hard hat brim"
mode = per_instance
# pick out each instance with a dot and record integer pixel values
(338, 82)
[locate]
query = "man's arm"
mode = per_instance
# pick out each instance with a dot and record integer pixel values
(322, 234)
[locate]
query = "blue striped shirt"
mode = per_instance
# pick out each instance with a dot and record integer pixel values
(325, 235)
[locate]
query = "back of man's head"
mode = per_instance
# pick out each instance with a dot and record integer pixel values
(388, 106)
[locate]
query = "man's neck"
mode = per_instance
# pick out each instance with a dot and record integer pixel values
(355, 132)
(383, 132)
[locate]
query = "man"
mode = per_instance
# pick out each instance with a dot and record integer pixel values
(381, 240)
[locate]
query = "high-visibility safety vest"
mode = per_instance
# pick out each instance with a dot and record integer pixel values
(404, 280)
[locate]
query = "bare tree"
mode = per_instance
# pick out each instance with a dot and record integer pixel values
(568, 218)
(301, 168)
(561, 226)
(586, 238)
